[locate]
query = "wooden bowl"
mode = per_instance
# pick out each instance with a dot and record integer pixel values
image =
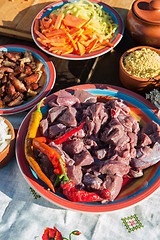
(7, 154)
(137, 84)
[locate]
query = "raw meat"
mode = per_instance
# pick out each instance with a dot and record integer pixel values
(110, 146)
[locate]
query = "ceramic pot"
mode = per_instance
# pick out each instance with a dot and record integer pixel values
(143, 22)
(137, 84)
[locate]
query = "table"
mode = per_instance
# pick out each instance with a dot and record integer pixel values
(17, 22)
(25, 215)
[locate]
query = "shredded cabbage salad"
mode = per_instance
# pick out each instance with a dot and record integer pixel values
(101, 24)
(5, 135)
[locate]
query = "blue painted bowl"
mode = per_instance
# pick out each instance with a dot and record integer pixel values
(49, 80)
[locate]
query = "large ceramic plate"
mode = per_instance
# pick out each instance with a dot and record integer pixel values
(115, 40)
(133, 192)
(49, 82)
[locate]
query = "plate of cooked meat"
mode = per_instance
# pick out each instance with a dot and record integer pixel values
(95, 148)
(26, 76)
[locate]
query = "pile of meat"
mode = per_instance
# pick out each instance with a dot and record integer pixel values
(20, 76)
(110, 146)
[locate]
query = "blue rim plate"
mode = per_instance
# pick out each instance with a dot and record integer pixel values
(132, 193)
(115, 40)
(49, 82)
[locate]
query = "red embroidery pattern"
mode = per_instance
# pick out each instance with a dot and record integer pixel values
(54, 234)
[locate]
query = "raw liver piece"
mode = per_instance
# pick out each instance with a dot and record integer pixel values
(68, 118)
(148, 159)
(56, 129)
(84, 158)
(84, 96)
(92, 182)
(55, 112)
(73, 146)
(114, 167)
(75, 174)
(44, 127)
(114, 184)
(66, 99)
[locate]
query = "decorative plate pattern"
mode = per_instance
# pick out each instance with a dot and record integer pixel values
(133, 192)
(49, 83)
(115, 40)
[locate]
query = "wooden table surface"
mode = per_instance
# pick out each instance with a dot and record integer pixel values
(16, 17)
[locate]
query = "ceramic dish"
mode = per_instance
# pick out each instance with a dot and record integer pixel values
(49, 81)
(134, 192)
(7, 154)
(135, 83)
(143, 22)
(115, 40)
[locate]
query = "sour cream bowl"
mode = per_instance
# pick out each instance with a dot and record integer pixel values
(7, 153)
(136, 76)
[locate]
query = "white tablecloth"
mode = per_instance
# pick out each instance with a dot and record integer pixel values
(25, 216)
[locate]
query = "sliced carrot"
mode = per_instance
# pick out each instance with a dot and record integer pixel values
(57, 42)
(80, 32)
(87, 32)
(70, 34)
(72, 41)
(74, 31)
(67, 51)
(60, 44)
(53, 17)
(91, 45)
(61, 50)
(41, 24)
(44, 31)
(55, 32)
(46, 22)
(59, 20)
(42, 42)
(87, 22)
(73, 21)
(57, 48)
(64, 27)
(81, 48)
(83, 37)
(105, 42)
(87, 42)
(97, 47)
(40, 35)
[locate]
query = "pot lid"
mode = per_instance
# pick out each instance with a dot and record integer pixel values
(147, 10)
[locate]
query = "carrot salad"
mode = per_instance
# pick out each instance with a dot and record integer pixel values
(62, 32)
